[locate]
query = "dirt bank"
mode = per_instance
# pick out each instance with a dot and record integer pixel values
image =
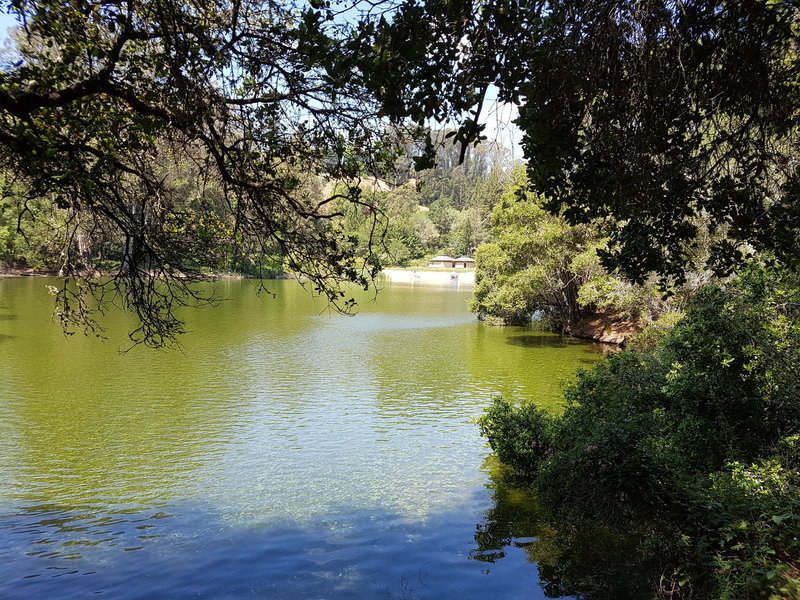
(607, 327)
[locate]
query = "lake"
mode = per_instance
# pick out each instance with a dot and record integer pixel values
(283, 452)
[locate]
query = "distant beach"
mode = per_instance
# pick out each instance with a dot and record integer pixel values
(462, 278)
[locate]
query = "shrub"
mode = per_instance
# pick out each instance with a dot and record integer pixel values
(655, 333)
(744, 532)
(521, 437)
(692, 443)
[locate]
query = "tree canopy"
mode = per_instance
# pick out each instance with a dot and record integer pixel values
(107, 108)
(535, 263)
(649, 116)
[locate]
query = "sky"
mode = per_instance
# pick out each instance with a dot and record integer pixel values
(497, 117)
(6, 21)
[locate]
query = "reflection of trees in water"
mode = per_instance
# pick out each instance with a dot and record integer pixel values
(597, 564)
(515, 519)
(589, 564)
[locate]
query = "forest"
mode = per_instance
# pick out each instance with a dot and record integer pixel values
(148, 146)
(446, 209)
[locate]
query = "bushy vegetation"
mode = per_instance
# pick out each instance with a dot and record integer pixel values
(690, 448)
(535, 262)
(38, 235)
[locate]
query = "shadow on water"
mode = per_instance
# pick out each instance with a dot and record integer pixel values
(571, 561)
(599, 348)
(4, 337)
(551, 340)
(334, 556)
(544, 340)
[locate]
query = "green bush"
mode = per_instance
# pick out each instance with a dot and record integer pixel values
(536, 263)
(655, 333)
(521, 437)
(747, 520)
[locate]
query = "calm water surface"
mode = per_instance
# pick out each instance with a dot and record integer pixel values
(284, 453)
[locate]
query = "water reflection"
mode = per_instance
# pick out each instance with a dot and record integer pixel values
(52, 531)
(514, 520)
(108, 443)
(354, 554)
(542, 339)
(571, 561)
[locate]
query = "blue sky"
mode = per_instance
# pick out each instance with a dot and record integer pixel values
(6, 21)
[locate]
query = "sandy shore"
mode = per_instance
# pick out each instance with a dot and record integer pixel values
(450, 277)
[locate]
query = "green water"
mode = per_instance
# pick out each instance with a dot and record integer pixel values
(284, 452)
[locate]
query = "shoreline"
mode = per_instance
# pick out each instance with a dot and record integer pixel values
(8, 273)
(27, 273)
(463, 277)
(604, 328)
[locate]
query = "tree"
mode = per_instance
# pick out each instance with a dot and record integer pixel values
(457, 179)
(648, 115)
(103, 101)
(537, 262)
